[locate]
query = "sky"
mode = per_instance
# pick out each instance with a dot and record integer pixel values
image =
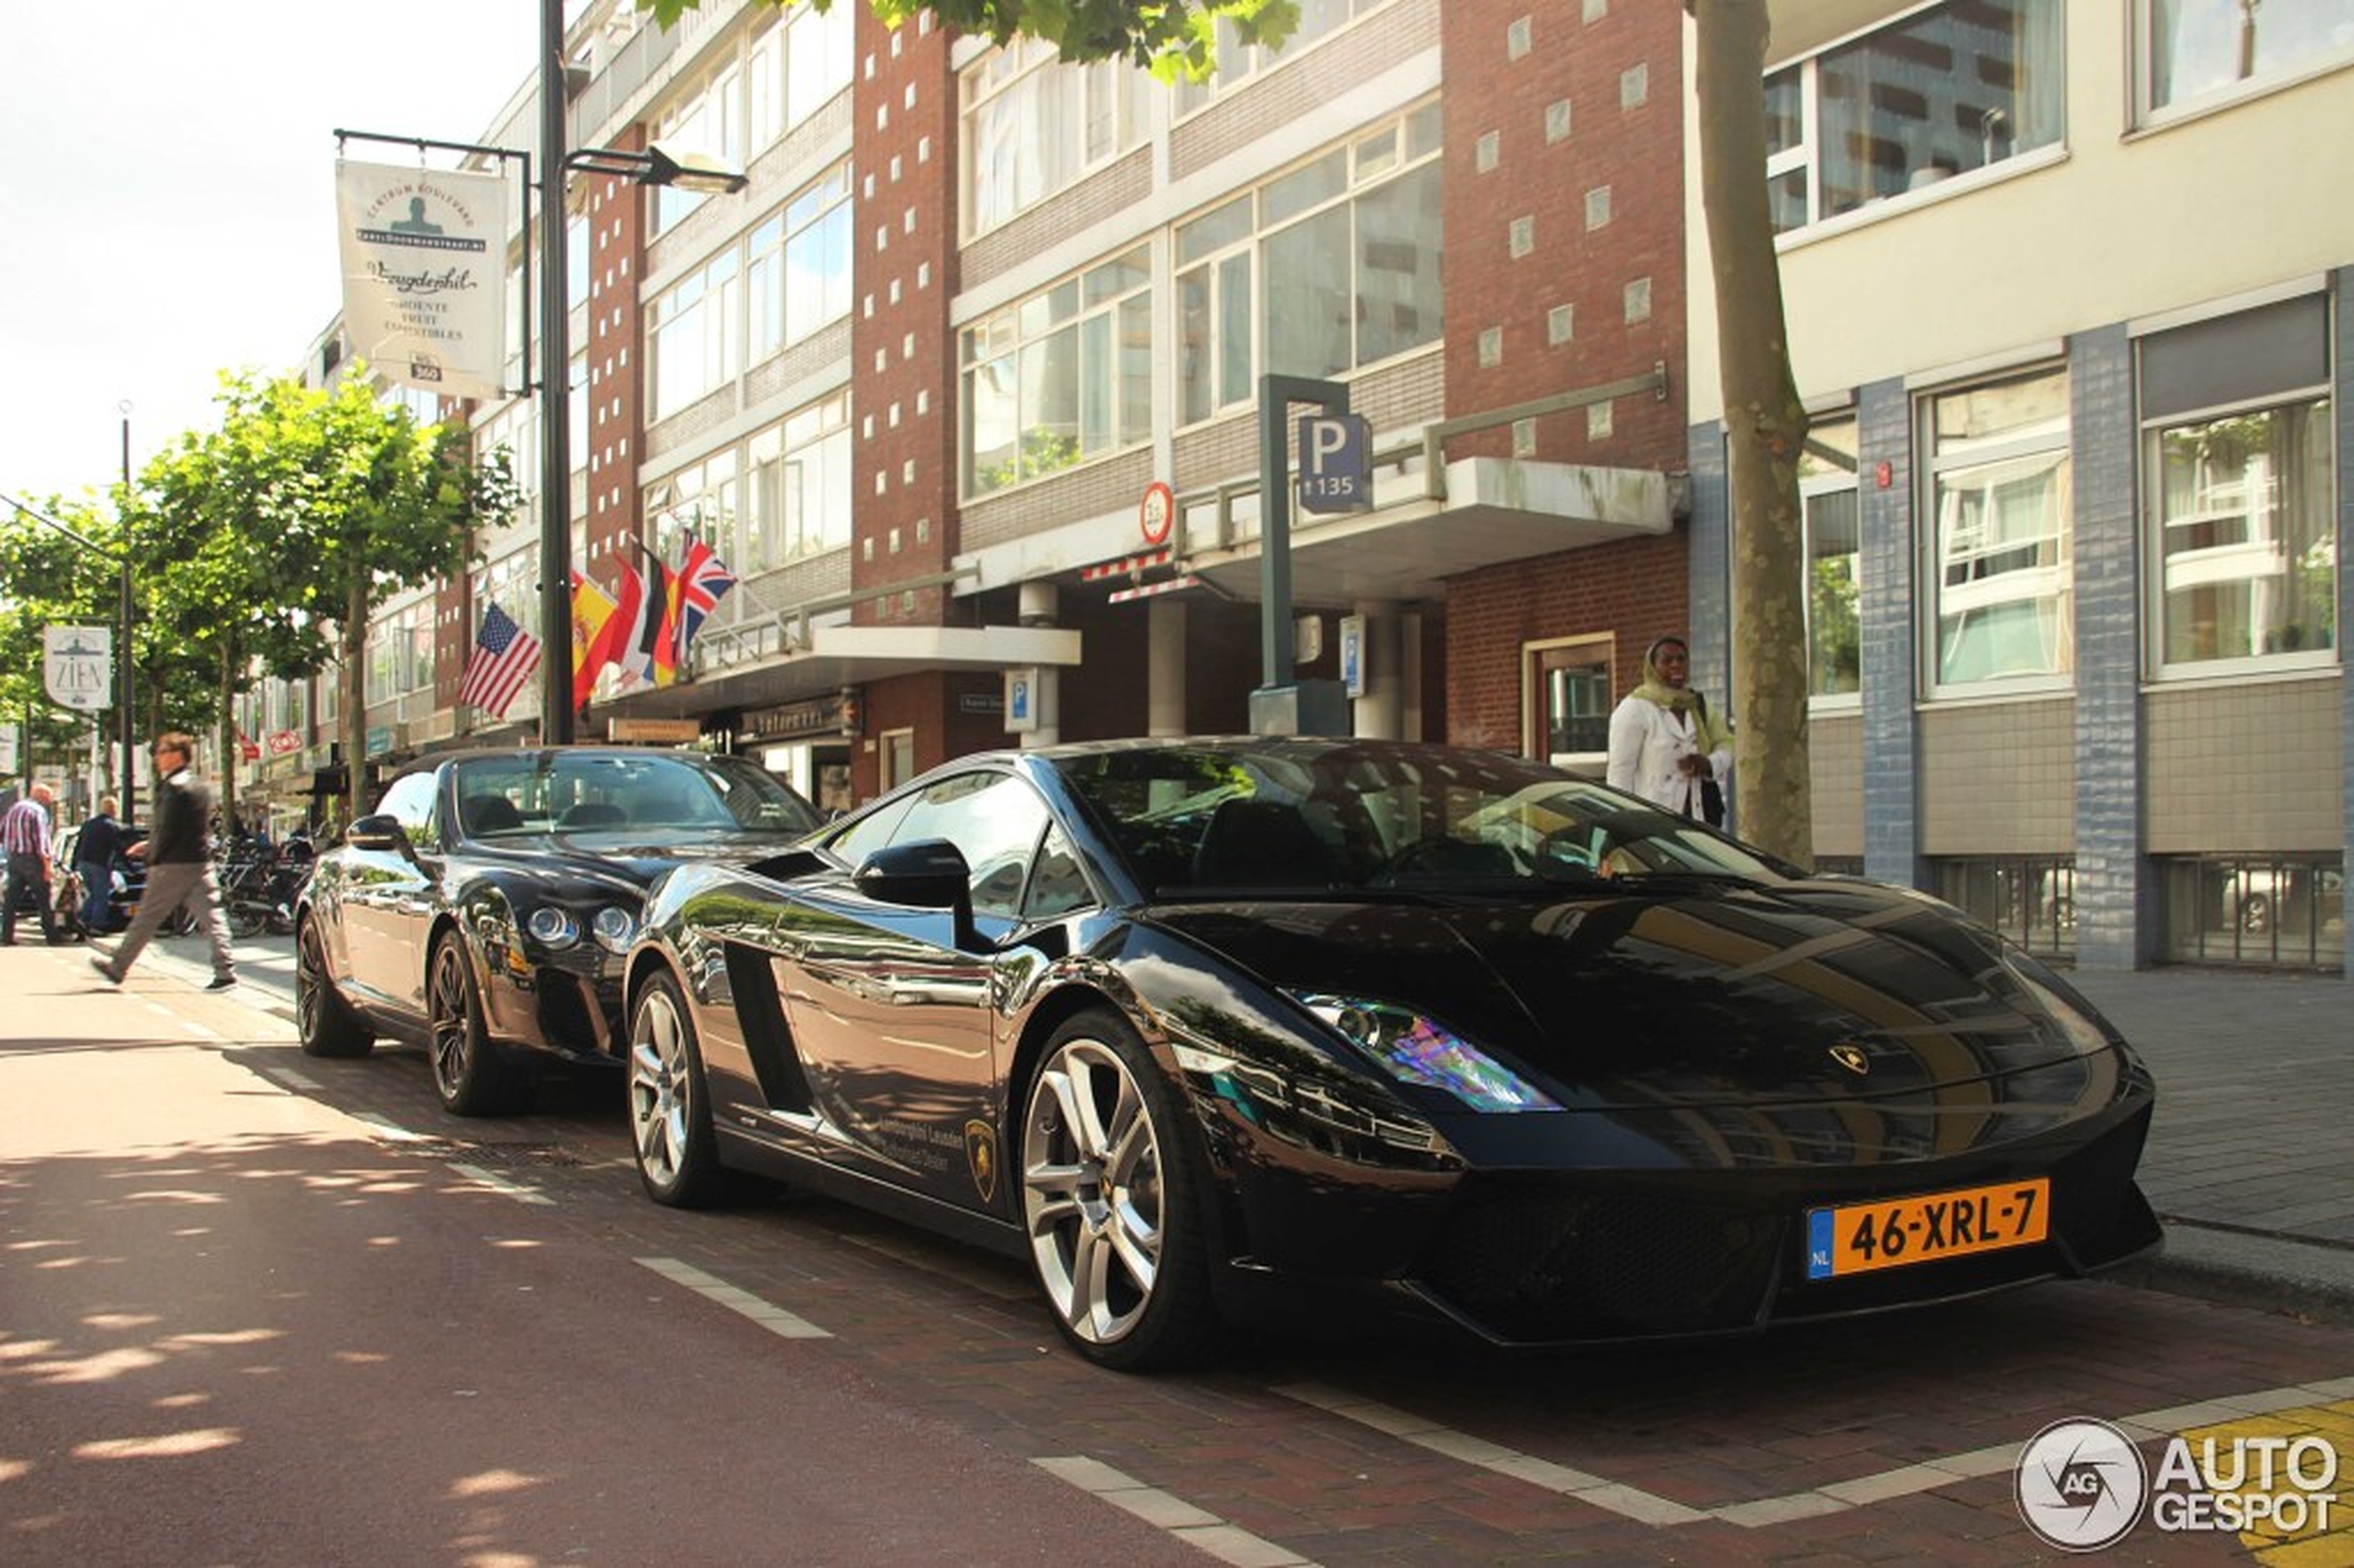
(166, 201)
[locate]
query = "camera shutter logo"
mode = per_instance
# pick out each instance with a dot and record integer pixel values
(2079, 1485)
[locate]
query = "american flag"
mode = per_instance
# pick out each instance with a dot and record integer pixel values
(504, 659)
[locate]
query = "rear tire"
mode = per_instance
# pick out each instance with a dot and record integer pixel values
(327, 1024)
(1112, 1202)
(472, 1073)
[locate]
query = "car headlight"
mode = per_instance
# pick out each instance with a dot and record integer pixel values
(553, 927)
(1414, 1049)
(616, 928)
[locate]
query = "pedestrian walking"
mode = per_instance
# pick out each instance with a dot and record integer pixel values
(179, 869)
(1665, 745)
(25, 831)
(95, 852)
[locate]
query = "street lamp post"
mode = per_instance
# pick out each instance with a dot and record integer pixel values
(123, 675)
(658, 165)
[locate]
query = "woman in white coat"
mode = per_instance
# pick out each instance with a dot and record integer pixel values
(1664, 741)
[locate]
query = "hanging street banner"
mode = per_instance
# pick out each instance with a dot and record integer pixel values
(424, 274)
(79, 670)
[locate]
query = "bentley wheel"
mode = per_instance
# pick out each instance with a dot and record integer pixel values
(326, 1022)
(470, 1072)
(669, 1105)
(1110, 1204)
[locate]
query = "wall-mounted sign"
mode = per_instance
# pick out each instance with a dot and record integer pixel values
(834, 713)
(1352, 654)
(1157, 513)
(1335, 463)
(1021, 699)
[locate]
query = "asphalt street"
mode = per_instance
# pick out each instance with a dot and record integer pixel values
(2249, 1162)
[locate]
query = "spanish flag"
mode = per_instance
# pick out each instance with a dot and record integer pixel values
(592, 610)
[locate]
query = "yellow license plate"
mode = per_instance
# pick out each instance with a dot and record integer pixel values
(1859, 1237)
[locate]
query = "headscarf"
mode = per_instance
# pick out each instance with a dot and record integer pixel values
(1710, 731)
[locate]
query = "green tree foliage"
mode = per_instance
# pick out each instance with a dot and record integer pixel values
(279, 531)
(1171, 37)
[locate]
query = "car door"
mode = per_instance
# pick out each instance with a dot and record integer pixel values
(388, 898)
(894, 1022)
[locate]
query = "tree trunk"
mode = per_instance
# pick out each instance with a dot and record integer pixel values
(354, 701)
(231, 753)
(1765, 430)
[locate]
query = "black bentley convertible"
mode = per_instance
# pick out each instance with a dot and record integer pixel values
(485, 904)
(1217, 1029)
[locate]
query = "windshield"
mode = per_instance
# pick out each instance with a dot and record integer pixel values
(1342, 815)
(676, 796)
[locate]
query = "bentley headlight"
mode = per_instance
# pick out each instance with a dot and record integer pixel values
(553, 927)
(616, 928)
(1414, 1049)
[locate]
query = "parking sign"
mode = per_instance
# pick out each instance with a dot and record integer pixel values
(1334, 473)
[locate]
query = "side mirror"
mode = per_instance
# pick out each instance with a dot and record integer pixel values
(927, 874)
(376, 833)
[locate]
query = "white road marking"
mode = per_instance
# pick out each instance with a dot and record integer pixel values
(768, 1315)
(1195, 1527)
(294, 1079)
(1633, 1502)
(500, 1185)
(392, 1129)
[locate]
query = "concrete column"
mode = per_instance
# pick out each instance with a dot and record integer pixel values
(1379, 714)
(1164, 621)
(1039, 604)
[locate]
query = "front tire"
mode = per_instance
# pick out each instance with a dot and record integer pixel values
(472, 1073)
(1111, 1203)
(670, 1104)
(326, 1022)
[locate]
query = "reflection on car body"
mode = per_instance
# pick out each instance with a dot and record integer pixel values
(1266, 1030)
(485, 904)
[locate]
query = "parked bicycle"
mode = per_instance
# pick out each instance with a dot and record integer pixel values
(258, 891)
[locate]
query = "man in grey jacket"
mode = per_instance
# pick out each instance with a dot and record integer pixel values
(179, 868)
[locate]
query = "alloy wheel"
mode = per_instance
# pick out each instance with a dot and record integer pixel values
(1092, 1191)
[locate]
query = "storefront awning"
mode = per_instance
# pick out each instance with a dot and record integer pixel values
(846, 655)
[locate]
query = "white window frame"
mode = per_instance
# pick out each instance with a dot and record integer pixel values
(1826, 478)
(1370, 168)
(1046, 98)
(2147, 111)
(1006, 335)
(1930, 181)
(2042, 445)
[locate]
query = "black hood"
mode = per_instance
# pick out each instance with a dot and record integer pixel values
(1680, 990)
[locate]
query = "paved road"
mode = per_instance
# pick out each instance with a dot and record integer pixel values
(1866, 1442)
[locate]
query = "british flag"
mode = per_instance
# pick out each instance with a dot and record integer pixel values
(696, 588)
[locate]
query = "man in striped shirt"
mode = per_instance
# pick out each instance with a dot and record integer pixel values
(25, 833)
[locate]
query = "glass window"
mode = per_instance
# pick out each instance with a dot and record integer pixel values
(2000, 500)
(1569, 701)
(709, 119)
(694, 331)
(797, 497)
(410, 802)
(2211, 49)
(1239, 62)
(1033, 125)
(1063, 375)
(1943, 90)
(996, 820)
(2239, 451)
(1826, 495)
(1340, 259)
(800, 265)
